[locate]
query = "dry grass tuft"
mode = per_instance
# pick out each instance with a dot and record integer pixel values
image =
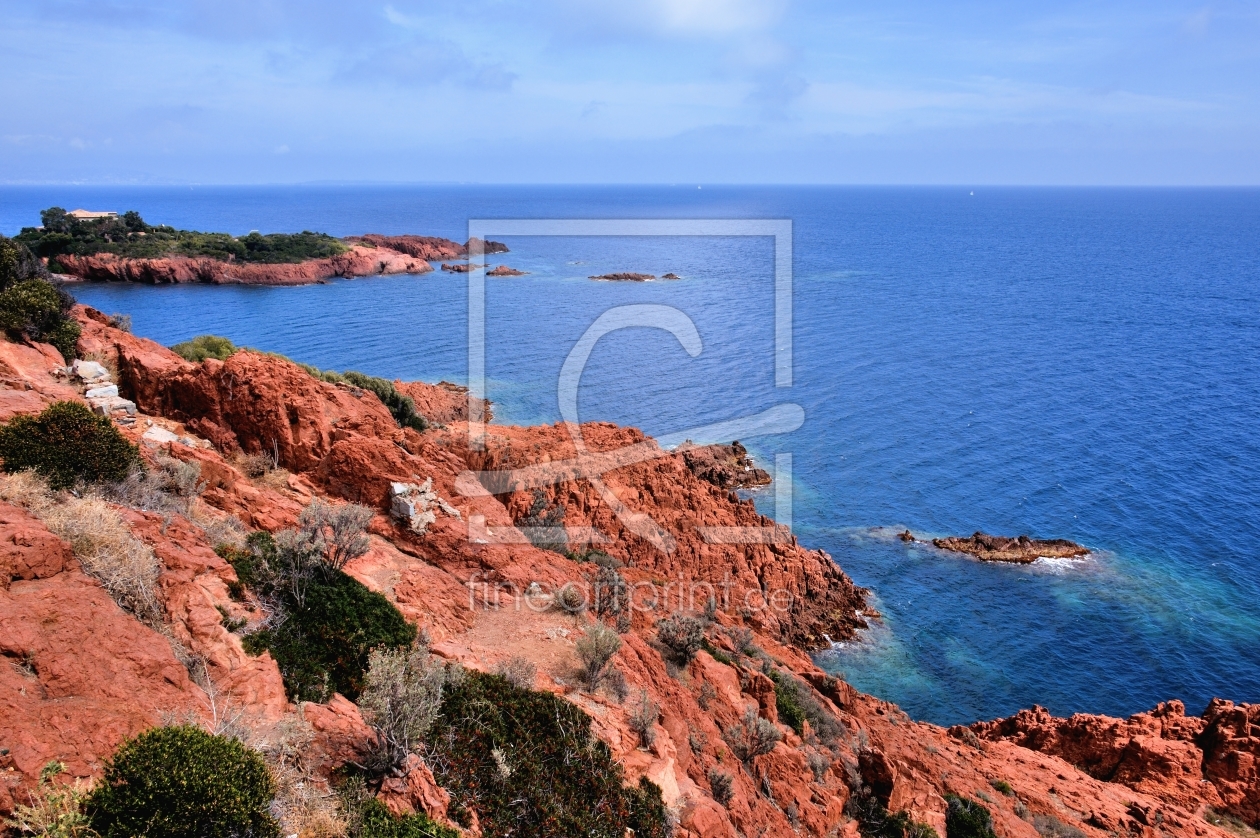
(263, 469)
(219, 527)
(100, 539)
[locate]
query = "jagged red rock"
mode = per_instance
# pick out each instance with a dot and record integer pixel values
(462, 581)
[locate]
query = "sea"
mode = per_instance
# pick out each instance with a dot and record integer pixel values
(1059, 362)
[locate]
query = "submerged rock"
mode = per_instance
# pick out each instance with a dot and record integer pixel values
(1020, 550)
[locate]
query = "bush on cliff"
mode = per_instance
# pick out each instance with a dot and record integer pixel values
(682, 636)
(797, 705)
(374, 820)
(32, 307)
(129, 236)
(402, 407)
(527, 764)
(171, 782)
(328, 621)
(875, 821)
(68, 444)
(205, 346)
(965, 818)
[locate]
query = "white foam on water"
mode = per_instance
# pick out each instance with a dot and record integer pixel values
(1060, 565)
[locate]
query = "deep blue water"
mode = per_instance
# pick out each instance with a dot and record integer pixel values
(1076, 363)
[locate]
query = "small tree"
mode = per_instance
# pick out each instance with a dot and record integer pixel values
(31, 306)
(612, 595)
(752, 737)
(543, 525)
(595, 649)
(643, 719)
(401, 697)
(741, 640)
(682, 636)
(67, 443)
(181, 782)
(722, 785)
(340, 529)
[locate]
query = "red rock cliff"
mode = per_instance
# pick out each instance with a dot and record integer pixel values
(358, 261)
(80, 674)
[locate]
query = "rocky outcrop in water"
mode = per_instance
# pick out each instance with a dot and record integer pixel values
(504, 270)
(1020, 550)
(624, 277)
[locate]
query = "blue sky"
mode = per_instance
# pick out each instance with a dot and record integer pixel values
(737, 91)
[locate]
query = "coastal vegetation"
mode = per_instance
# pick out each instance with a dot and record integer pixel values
(31, 306)
(205, 346)
(68, 444)
(171, 782)
(965, 818)
(130, 236)
(324, 623)
(525, 762)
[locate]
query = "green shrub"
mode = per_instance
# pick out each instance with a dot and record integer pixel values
(331, 622)
(205, 346)
(595, 649)
(17, 263)
(543, 525)
(797, 705)
(31, 306)
(373, 820)
(170, 782)
(1003, 786)
(647, 809)
(965, 818)
(716, 653)
(527, 763)
(402, 407)
(875, 821)
(67, 443)
(38, 310)
(788, 703)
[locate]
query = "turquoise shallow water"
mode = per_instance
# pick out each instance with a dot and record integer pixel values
(1064, 362)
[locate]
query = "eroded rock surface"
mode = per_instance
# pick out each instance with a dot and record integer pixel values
(78, 674)
(725, 466)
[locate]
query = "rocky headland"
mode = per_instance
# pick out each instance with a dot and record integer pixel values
(1018, 550)
(358, 261)
(79, 673)
(367, 255)
(727, 466)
